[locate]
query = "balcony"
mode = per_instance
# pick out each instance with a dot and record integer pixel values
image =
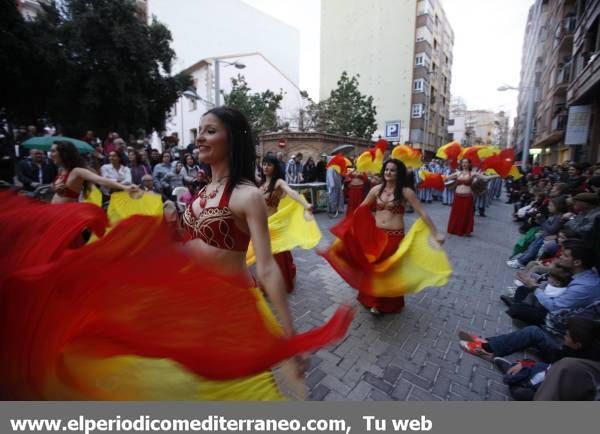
(563, 37)
(562, 79)
(584, 82)
(559, 122)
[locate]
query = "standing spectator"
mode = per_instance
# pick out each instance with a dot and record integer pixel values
(90, 138)
(281, 161)
(321, 169)
(308, 171)
(335, 193)
(120, 149)
(116, 171)
(36, 170)
(293, 172)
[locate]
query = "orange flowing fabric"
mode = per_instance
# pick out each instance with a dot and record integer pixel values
(431, 180)
(385, 265)
(134, 292)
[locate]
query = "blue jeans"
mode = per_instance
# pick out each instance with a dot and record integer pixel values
(531, 253)
(530, 336)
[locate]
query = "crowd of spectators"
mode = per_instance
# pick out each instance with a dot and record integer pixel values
(556, 291)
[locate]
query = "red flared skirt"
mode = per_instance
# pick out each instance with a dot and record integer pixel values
(285, 261)
(356, 194)
(461, 217)
(385, 304)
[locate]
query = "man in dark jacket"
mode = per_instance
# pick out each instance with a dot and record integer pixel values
(36, 170)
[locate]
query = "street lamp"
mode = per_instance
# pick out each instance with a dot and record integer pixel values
(218, 62)
(527, 144)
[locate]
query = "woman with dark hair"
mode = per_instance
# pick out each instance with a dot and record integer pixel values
(281, 218)
(190, 167)
(180, 322)
(73, 176)
(138, 167)
(461, 218)
(368, 254)
(230, 211)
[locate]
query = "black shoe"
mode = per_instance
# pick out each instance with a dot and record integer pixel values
(508, 300)
(502, 364)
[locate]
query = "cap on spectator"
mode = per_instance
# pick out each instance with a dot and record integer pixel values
(591, 198)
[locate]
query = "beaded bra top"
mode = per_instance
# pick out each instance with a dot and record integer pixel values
(215, 225)
(393, 206)
(467, 181)
(59, 185)
(273, 198)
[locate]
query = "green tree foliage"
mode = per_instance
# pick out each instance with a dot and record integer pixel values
(347, 112)
(259, 108)
(93, 64)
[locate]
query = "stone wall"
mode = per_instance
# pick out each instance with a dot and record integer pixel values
(309, 144)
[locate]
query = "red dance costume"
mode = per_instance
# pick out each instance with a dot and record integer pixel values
(461, 218)
(356, 194)
(284, 260)
(362, 240)
(132, 294)
(59, 186)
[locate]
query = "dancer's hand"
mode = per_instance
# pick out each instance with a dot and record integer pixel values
(300, 363)
(440, 238)
(308, 215)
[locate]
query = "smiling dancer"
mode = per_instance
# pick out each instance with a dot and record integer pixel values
(138, 316)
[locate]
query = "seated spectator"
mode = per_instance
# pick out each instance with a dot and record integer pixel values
(160, 171)
(576, 180)
(36, 170)
(138, 167)
(175, 178)
(148, 184)
(570, 379)
(116, 171)
(584, 289)
(557, 281)
(581, 340)
(549, 227)
(587, 209)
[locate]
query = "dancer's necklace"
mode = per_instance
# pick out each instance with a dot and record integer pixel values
(204, 196)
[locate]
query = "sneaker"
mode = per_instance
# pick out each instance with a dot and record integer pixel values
(476, 349)
(511, 290)
(502, 364)
(508, 301)
(375, 311)
(517, 283)
(514, 263)
(468, 337)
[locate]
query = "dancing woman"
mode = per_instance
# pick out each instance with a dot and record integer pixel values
(73, 177)
(274, 189)
(461, 218)
(138, 316)
(368, 253)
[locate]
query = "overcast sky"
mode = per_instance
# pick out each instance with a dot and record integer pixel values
(487, 46)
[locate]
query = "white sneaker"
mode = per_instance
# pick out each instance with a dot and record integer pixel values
(517, 282)
(514, 264)
(511, 290)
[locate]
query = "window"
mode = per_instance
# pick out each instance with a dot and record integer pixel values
(417, 110)
(435, 44)
(174, 110)
(420, 60)
(450, 122)
(419, 85)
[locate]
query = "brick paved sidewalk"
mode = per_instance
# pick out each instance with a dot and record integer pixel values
(414, 355)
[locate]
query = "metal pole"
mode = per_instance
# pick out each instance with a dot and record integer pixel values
(217, 84)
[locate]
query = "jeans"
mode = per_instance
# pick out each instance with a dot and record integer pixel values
(531, 253)
(530, 336)
(533, 315)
